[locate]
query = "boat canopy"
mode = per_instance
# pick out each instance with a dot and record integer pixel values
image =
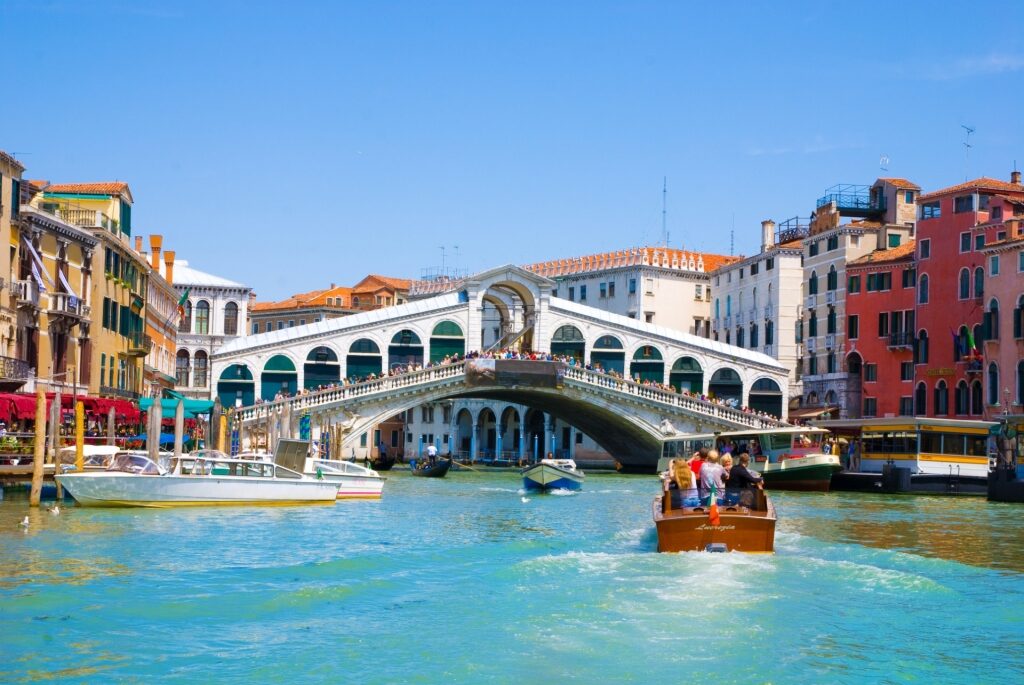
(168, 406)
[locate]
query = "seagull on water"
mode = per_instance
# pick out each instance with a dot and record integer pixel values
(524, 500)
(55, 510)
(24, 523)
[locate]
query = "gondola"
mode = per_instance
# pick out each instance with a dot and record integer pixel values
(382, 463)
(438, 470)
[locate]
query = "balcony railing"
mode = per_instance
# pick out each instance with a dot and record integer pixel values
(811, 301)
(812, 345)
(901, 339)
(119, 392)
(830, 341)
(87, 218)
(26, 292)
(139, 345)
(14, 369)
(65, 303)
(855, 198)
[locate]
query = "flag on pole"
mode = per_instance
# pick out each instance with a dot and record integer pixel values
(970, 342)
(182, 301)
(713, 509)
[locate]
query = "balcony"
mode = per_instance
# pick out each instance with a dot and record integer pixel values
(811, 301)
(86, 218)
(26, 292)
(854, 200)
(119, 392)
(139, 345)
(830, 341)
(65, 304)
(812, 345)
(830, 297)
(973, 366)
(769, 312)
(901, 339)
(14, 373)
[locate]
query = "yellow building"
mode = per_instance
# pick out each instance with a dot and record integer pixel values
(113, 359)
(14, 372)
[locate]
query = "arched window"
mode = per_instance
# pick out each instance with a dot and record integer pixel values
(830, 322)
(201, 366)
(231, 319)
(185, 324)
(979, 282)
(976, 407)
(754, 305)
(921, 349)
(728, 305)
(992, 320)
(753, 336)
(181, 369)
(920, 400)
(718, 308)
(962, 399)
(993, 384)
(833, 278)
(965, 284)
(1018, 319)
(202, 317)
(1020, 382)
(922, 289)
(961, 344)
(941, 399)
(812, 284)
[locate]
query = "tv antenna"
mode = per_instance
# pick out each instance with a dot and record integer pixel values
(967, 149)
(441, 247)
(883, 162)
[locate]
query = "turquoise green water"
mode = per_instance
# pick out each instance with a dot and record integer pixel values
(460, 580)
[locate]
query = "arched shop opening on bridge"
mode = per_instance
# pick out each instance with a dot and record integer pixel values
(363, 359)
(766, 396)
(279, 376)
(608, 354)
(687, 375)
(647, 365)
(446, 340)
(321, 368)
(406, 348)
(568, 341)
(236, 387)
(726, 385)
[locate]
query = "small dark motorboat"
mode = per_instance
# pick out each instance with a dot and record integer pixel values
(438, 470)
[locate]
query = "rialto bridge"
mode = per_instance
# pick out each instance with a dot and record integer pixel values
(628, 418)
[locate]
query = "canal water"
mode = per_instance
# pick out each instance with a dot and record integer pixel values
(466, 580)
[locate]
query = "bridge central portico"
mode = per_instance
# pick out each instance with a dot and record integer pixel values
(644, 381)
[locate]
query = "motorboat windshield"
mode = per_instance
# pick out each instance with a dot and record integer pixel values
(134, 463)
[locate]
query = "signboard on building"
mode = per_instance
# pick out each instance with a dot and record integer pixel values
(511, 373)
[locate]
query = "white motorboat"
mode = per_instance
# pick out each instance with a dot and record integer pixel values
(94, 457)
(553, 474)
(204, 478)
(353, 480)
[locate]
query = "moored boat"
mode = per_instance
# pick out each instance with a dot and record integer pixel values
(743, 521)
(436, 470)
(133, 480)
(354, 481)
(553, 474)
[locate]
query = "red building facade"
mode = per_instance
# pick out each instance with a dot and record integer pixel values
(954, 315)
(880, 325)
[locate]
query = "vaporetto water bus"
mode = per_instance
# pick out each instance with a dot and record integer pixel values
(916, 454)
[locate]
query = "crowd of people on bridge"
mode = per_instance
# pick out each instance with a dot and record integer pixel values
(523, 355)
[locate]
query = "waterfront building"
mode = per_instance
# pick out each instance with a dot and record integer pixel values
(215, 312)
(161, 318)
(113, 352)
(956, 264)
(880, 306)
(757, 299)
(881, 216)
(14, 371)
(1004, 341)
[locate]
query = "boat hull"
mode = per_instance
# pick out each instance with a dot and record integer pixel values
(810, 473)
(355, 487)
(116, 489)
(548, 477)
(439, 470)
(690, 530)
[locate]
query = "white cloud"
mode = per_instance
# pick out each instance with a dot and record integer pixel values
(966, 67)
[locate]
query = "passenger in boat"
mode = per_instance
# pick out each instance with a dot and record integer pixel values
(742, 479)
(699, 457)
(711, 475)
(682, 476)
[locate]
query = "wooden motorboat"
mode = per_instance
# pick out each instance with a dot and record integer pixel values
(744, 521)
(553, 474)
(437, 470)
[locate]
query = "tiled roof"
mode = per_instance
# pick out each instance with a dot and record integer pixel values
(983, 183)
(385, 281)
(901, 183)
(314, 298)
(665, 257)
(1012, 200)
(893, 254)
(796, 244)
(9, 159)
(103, 188)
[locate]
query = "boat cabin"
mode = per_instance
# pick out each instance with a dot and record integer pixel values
(683, 447)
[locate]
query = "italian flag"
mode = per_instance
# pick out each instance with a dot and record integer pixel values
(181, 305)
(713, 509)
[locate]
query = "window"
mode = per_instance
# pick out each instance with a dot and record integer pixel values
(853, 326)
(830, 321)
(753, 336)
(632, 286)
(185, 325)
(961, 399)
(270, 326)
(1020, 382)
(812, 284)
(983, 202)
(611, 288)
(908, 197)
(255, 328)
(1018, 319)
(753, 269)
(203, 317)
(964, 203)
(812, 365)
(906, 406)
(997, 213)
(906, 371)
(1020, 261)
(993, 265)
(909, 277)
(965, 242)
(280, 325)
(993, 384)
(870, 406)
(941, 399)
(583, 293)
(965, 284)
(870, 372)
(920, 400)
(926, 248)
(572, 293)
(854, 284)
(812, 325)
(894, 240)
(741, 273)
(769, 332)
(199, 380)
(832, 281)
(231, 319)
(931, 210)
(602, 291)
(830, 363)
(181, 364)
(979, 282)
(990, 319)
(922, 290)
(813, 248)
(739, 337)
(832, 243)
(883, 324)
(291, 323)
(648, 286)
(698, 292)
(769, 263)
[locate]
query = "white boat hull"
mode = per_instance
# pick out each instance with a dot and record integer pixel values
(548, 477)
(355, 487)
(117, 489)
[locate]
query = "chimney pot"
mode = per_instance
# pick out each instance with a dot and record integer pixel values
(1015, 177)
(169, 266)
(155, 243)
(767, 235)
(138, 244)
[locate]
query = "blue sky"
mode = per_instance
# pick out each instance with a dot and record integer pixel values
(290, 145)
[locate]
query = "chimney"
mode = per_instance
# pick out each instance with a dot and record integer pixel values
(138, 244)
(169, 266)
(155, 243)
(1015, 177)
(767, 235)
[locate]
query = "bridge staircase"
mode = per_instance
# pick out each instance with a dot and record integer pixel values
(513, 339)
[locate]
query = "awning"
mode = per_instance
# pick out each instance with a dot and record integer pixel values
(812, 412)
(168, 406)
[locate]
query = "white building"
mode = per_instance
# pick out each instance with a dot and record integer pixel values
(757, 300)
(215, 312)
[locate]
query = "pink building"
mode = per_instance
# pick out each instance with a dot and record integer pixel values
(1003, 352)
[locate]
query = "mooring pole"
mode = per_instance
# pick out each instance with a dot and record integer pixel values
(40, 448)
